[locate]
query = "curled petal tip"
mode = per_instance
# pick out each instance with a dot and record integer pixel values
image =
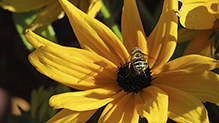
(176, 12)
(26, 31)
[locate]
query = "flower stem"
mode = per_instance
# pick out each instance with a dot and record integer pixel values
(109, 21)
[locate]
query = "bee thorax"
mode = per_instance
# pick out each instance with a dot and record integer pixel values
(140, 65)
(135, 74)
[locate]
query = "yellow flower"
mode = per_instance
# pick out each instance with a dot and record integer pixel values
(199, 15)
(107, 76)
(51, 10)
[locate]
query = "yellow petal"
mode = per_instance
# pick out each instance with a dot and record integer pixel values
(162, 41)
(202, 44)
(131, 115)
(204, 86)
(23, 5)
(85, 100)
(188, 64)
(155, 108)
(199, 14)
(120, 111)
(105, 114)
(76, 68)
(184, 107)
(50, 13)
(36, 41)
(69, 116)
(218, 7)
(187, 34)
(94, 35)
(91, 7)
(132, 29)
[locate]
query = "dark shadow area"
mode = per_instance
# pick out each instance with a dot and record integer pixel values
(17, 75)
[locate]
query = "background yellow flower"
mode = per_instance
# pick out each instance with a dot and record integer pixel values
(199, 15)
(51, 10)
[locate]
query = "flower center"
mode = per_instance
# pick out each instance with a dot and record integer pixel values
(135, 74)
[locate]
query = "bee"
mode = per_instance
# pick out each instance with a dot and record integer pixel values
(134, 74)
(137, 60)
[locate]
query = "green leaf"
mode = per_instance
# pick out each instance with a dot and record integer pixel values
(22, 20)
(40, 109)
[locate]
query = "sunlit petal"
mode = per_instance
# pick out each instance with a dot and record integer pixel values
(162, 41)
(203, 44)
(155, 107)
(132, 29)
(85, 100)
(204, 86)
(69, 116)
(76, 68)
(199, 14)
(120, 110)
(188, 64)
(184, 107)
(94, 35)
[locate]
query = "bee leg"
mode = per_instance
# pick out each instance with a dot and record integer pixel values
(145, 74)
(128, 74)
(129, 70)
(120, 76)
(130, 65)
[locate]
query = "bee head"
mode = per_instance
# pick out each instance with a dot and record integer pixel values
(136, 54)
(136, 49)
